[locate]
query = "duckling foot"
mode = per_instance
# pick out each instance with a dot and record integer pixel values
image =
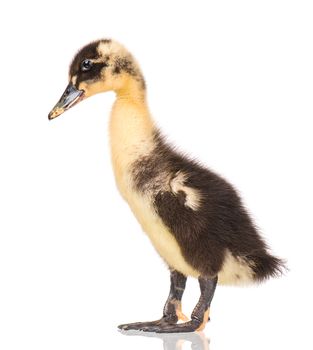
(190, 326)
(199, 316)
(148, 326)
(172, 309)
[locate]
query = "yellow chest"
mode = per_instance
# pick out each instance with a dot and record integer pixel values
(161, 238)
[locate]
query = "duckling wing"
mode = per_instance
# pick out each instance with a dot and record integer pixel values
(205, 215)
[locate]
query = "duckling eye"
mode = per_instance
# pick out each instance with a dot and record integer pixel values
(86, 65)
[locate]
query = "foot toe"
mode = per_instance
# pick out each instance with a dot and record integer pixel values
(142, 326)
(186, 327)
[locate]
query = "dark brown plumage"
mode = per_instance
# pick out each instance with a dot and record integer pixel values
(221, 222)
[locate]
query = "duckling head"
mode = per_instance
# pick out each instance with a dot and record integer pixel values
(100, 66)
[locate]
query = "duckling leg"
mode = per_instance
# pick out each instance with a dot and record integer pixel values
(200, 314)
(172, 308)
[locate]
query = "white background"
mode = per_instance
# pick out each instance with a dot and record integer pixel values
(230, 82)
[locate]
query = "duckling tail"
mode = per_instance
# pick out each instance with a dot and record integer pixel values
(266, 266)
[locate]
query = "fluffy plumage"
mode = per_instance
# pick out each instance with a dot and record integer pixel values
(217, 225)
(194, 218)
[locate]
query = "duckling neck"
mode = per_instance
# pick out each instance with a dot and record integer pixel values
(131, 133)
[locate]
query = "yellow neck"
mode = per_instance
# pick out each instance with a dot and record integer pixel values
(131, 89)
(131, 132)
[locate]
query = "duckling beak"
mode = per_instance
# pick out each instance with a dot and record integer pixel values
(71, 96)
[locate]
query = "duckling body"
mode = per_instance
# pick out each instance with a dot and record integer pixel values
(166, 192)
(193, 217)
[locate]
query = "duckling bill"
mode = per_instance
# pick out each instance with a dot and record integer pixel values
(193, 217)
(69, 98)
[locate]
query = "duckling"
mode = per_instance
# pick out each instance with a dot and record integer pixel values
(194, 218)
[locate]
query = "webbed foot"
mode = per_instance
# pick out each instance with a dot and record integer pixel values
(147, 326)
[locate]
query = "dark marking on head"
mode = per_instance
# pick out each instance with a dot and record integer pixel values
(221, 223)
(88, 52)
(121, 64)
(126, 64)
(106, 41)
(92, 74)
